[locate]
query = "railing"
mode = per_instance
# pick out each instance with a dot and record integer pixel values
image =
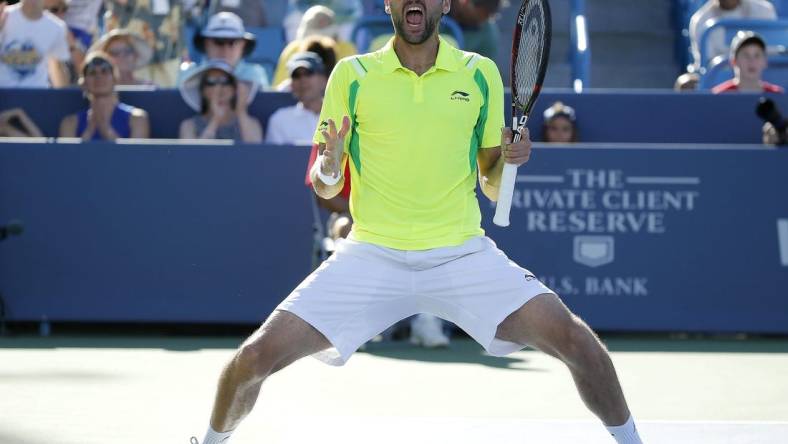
(775, 32)
(580, 51)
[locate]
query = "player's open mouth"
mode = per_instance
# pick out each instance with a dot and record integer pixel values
(414, 15)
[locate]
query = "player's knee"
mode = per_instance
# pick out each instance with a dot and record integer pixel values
(579, 345)
(257, 359)
(583, 347)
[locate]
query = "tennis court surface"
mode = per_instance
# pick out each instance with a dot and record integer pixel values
(88, 390)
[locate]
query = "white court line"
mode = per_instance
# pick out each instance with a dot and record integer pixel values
(782, 235)
(657, 180)
(540, 179)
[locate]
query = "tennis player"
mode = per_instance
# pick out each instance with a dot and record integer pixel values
(417, 121)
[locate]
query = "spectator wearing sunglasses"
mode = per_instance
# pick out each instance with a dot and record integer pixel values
(33, 47)
(129, 52)
(160, 23)
(106, 118)
(225, 38)
(213, 90)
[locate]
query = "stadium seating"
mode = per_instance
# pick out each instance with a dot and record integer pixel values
(684, 11)
(270, 43)
(782, 8)
(580, 51)
(775, 32)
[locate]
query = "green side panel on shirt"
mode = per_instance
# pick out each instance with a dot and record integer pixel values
(355, 153)
(478, 131)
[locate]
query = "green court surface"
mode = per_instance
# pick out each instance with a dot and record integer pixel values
(124, 390)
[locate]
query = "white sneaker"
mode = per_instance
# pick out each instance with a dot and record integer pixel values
(427, 330)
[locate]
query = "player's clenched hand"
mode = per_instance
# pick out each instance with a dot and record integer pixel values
(518, 152)
(335, 143)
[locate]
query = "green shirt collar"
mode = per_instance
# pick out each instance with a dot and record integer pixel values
(448, 57)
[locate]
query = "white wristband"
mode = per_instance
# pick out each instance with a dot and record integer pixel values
(328, 180)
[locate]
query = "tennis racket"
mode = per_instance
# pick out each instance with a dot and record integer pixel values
(530, 52)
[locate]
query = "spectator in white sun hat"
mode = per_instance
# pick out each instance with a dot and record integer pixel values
(213, 92)
(225, 38)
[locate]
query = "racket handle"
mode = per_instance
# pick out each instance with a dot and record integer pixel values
(505, 192)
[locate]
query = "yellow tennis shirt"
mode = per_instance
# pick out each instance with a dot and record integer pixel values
(413, 143)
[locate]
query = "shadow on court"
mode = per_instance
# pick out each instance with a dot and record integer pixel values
(463, 351)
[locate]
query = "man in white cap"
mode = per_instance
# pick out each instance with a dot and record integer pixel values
(749, 61)
(296, 124)
(225, 38)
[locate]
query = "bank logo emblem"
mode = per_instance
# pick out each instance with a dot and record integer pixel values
(594, 251)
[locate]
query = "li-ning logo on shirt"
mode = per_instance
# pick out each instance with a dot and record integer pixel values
(460, 95)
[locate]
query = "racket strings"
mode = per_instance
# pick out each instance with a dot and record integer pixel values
(530, 52)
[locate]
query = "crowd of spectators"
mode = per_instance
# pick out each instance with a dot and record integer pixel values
(98, 45)
(46, 43)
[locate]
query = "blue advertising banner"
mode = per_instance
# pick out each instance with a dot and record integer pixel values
(152, 233)
(656, 239)
(633, 239)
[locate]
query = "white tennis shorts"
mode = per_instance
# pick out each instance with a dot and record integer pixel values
(363, 288)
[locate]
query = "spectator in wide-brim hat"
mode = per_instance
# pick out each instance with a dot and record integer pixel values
(212, 90)
(128, 51)
(227, 29)
(225, 38)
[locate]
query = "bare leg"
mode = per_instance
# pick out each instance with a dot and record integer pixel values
(544, 322)
(280, 341)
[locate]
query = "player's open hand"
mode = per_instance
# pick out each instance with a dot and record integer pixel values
(519, 152)
(335, 145)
